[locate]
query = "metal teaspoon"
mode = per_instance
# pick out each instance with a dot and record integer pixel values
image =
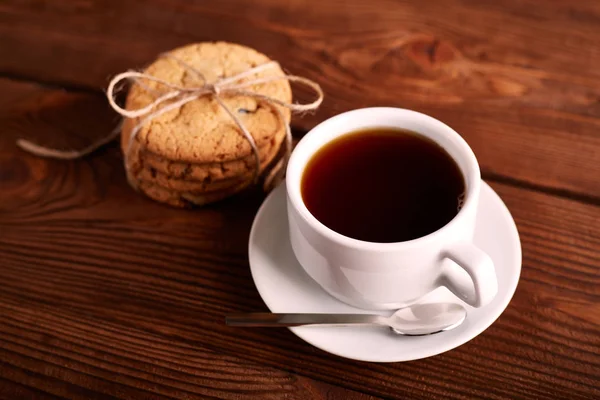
(414, 320)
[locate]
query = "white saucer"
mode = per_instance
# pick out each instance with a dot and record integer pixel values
(285, 287)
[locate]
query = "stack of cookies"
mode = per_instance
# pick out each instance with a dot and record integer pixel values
(196, 154)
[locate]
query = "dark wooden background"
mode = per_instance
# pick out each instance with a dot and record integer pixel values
(104, 293)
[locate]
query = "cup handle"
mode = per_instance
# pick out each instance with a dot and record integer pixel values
(480, 268)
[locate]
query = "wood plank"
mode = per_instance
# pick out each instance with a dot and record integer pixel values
(55, 351)
(10, 390)
(59, 352)
(82, 251)
(516, 79)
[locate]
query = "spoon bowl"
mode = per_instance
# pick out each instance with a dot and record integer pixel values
(426, 319)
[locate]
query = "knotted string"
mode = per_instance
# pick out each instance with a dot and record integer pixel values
(178, 95)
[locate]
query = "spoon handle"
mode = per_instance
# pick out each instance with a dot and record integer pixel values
(289, 320)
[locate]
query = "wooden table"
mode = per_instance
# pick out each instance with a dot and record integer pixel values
(104, 293)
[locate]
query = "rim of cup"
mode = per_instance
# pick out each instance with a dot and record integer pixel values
(468, 166)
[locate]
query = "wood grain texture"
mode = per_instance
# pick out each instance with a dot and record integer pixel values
(63, 353)
(106, 293)
(51, 351)
(516, 79)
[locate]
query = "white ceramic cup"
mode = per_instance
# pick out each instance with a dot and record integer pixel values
(391, 275)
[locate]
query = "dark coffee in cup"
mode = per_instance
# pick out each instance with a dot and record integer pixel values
(383, 185)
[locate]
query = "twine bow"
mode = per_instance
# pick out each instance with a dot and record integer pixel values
(178, 95)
